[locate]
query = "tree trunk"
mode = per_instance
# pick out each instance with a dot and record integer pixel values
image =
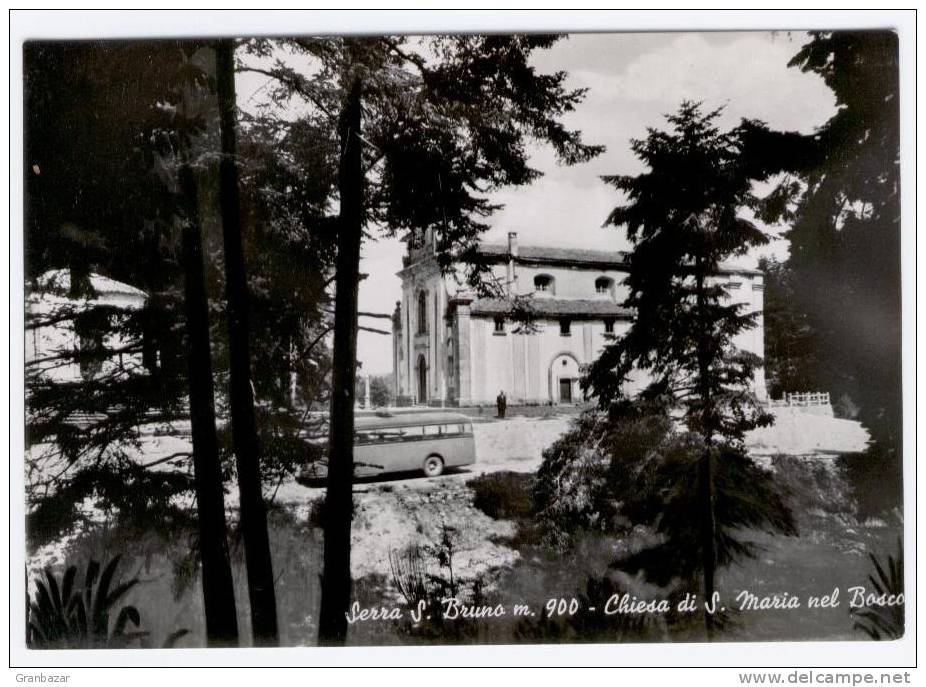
(708, 546)
(244, 432)
(705, 466)
(336, 579)
(218, 590)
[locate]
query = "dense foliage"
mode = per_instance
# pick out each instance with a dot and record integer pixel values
(115, 211)
(635, 468)
(841, 283)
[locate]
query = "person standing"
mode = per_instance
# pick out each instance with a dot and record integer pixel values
(501, 403)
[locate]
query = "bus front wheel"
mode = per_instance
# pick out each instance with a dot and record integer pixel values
(433, 466)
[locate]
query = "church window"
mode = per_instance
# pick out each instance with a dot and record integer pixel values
(565, 328)
(543, 283)
(422, 313)
(603, 285)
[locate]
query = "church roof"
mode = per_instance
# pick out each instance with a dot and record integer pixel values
(554, 307)
(602, 259)
(552, 255)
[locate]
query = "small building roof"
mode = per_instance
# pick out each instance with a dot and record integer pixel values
(51, 290)
(554, 307)
(58, 282)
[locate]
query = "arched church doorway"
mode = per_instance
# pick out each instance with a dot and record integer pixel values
(564, 379)
(422, 380)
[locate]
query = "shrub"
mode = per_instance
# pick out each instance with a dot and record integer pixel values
(587, 473)
(504, 495)
(570, 492)
(664, 496)
(635, 468)
(417, 585)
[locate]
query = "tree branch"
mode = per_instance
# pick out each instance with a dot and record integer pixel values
(415, 60)
(374, 331)
(166, 459)
(294, 85)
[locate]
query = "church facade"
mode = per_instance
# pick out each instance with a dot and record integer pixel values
(451, 348)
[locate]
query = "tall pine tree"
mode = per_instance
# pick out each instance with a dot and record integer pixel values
(684, 217)
(425, 128)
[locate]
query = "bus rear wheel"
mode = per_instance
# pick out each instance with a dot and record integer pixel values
(433, 466)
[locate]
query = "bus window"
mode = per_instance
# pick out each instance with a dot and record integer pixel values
(432, 430)
(386, 434)
(381, 436)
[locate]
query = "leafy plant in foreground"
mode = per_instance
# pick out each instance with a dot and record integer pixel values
(62, 615)
(884, 622)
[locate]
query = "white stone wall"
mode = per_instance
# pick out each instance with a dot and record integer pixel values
(568, 282)
(527, 366)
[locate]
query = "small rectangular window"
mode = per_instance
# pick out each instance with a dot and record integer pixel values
(386, 435)
(609, 326)
(565, 327)
(431, 430)
(499, 325)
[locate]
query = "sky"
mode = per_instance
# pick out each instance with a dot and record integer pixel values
(634, 79)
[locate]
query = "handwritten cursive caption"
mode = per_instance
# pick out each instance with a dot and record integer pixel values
(626, 604)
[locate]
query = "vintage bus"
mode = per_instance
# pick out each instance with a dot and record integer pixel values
(428, 442)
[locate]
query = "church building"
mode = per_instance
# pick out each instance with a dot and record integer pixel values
(451, 348)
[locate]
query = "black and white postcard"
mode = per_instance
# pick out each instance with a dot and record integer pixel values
(418, 339)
